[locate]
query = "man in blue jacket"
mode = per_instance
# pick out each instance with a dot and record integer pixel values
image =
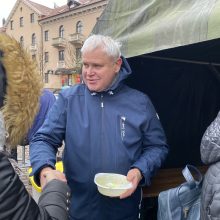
(107, 127)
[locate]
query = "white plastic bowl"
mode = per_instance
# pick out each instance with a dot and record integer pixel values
(111, 184)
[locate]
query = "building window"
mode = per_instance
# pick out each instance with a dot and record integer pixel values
(12, 25)
(61, 31)
(61, 55)
(46, 77)
(46, 57)
(20, 9)
(46, 35)
(33, 39)
(79, 27)
(32, 17)
(34, 57)
(21, 21)
(78, 54)
(22, 41)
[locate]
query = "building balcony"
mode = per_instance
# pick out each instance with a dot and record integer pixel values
(59, 42)
(33, 48)
(77, 39)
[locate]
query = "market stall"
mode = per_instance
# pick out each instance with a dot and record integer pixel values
(173, 48)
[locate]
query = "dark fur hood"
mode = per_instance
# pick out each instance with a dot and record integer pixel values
(23, 89)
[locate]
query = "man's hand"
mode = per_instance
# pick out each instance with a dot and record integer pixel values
(47, 174)
(53, 174)
(134, 176)
(43, 180)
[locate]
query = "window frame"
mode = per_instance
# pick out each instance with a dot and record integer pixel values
(12, 25)
(46, 77)
(61, 55)
(32, 18)
(61, 31)
(21, 21)
(33, 39)
(78, 54)
(79, 27)
(46, 35)
(22, 41)
(46, 57)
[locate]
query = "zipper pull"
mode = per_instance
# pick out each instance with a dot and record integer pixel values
(102, 103)
(185, 211)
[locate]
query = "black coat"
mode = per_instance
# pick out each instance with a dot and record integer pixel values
(17, 204)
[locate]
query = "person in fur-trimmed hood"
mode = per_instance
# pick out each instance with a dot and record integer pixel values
(20, 89)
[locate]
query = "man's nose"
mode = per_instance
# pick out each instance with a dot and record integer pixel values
(90, 70)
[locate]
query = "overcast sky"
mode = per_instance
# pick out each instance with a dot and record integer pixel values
(7, 5)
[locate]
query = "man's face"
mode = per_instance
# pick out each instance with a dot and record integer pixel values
(99, 70)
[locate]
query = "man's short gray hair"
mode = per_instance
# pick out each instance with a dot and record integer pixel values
(109, 45)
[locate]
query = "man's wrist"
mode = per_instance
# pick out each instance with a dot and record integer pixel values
(43, 179)
(45, 169)
(38, 173)
(140, 175)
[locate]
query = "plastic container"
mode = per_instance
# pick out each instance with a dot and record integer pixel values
(112, 184)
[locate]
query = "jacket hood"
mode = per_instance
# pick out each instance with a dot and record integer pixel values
(23, 89)
(124, 72)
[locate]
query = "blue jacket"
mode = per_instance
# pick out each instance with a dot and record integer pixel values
(46, 101)
(111, 131)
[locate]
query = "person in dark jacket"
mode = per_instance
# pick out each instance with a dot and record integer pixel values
(20, 89)
(107, 127)
(210, 155)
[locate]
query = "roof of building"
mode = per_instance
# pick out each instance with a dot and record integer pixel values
(65, 8)
(38, 8)
(46, 12)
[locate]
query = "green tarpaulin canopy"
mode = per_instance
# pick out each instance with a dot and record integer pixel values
(145, 26)
(173, 47)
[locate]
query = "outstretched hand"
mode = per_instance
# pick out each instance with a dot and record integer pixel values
(48, 174)
(134, 176)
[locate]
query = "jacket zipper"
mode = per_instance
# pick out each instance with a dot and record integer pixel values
(102, 125)
(102, 102)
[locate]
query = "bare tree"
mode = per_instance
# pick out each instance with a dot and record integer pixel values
(42, 59)
(38, 54)
(72, 56)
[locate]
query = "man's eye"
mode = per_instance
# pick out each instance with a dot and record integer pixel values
(97, 66)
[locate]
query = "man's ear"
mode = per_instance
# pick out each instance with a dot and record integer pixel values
(118, 64)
